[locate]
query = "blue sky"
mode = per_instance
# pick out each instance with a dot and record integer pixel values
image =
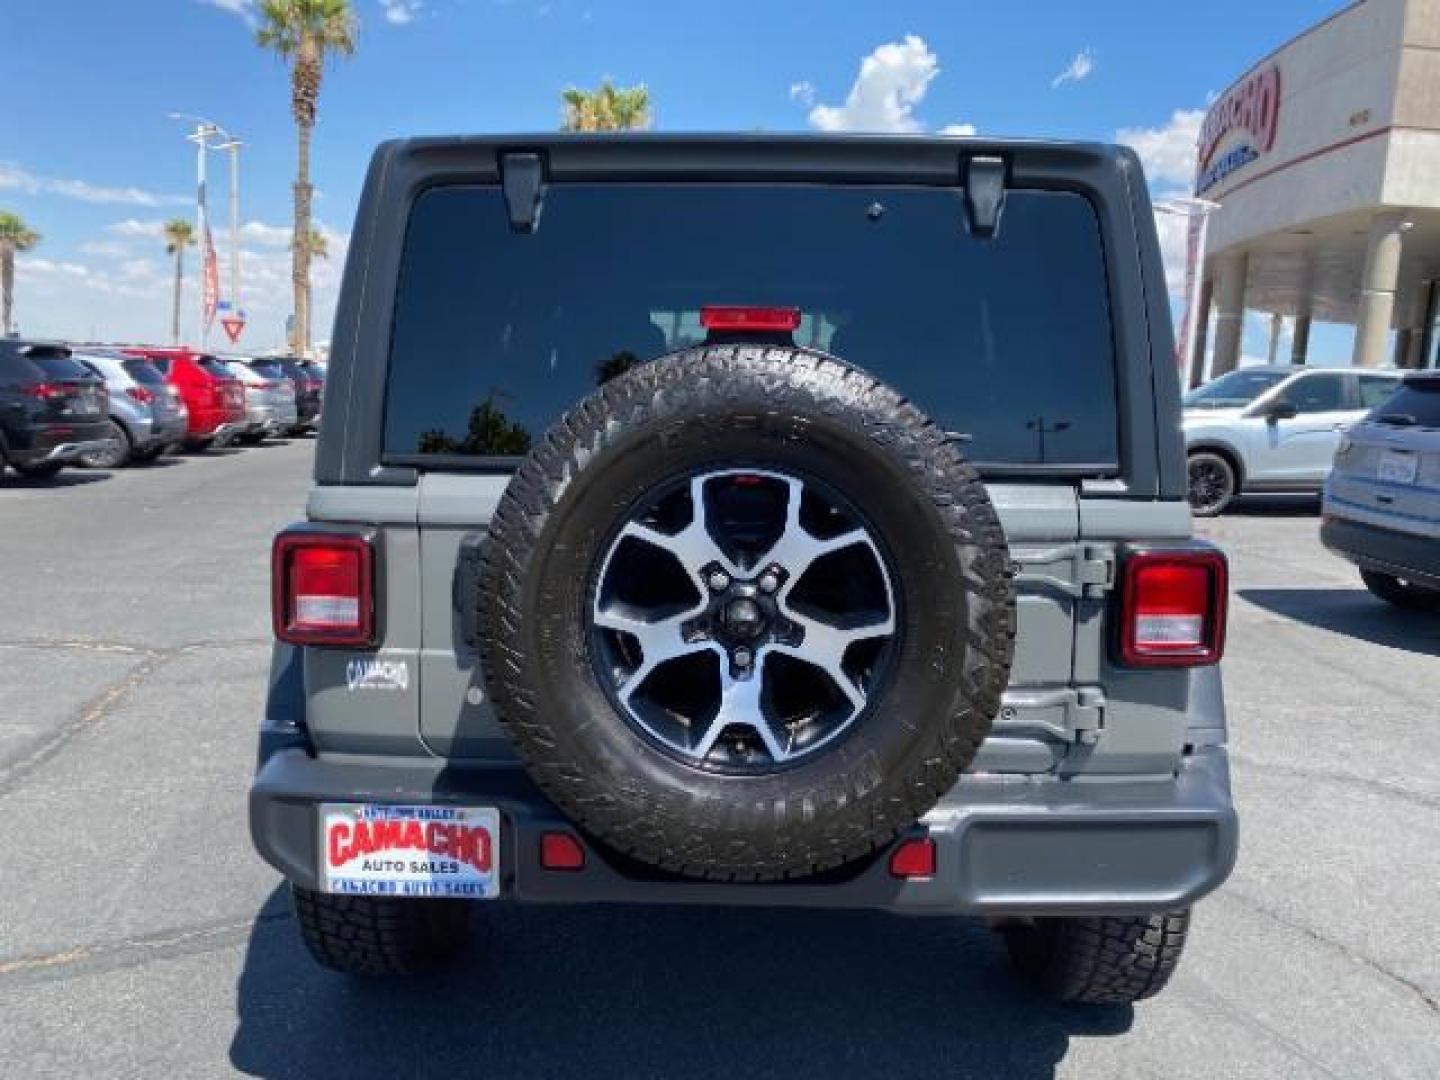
(89, 158)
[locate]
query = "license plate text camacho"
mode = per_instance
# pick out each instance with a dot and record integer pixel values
(439, 851)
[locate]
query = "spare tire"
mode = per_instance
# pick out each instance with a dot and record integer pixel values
(746, 613)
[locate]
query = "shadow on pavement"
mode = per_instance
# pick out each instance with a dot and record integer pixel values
(72, 476)
(601, 992)
(1355, 613)
(1275, 506)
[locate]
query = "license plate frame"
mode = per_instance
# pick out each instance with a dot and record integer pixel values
(1397, 467)
(382, 849)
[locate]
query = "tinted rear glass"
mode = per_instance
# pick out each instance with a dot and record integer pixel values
(1006, 340)
(215, 367)
(1415, 404)
(142, 371)
(62, 368)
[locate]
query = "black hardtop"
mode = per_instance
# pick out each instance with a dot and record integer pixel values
(1109, 176)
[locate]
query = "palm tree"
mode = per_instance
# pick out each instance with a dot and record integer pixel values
(179, 234)
(303, 33)
(607, 108)
(15, 237)
(319, 249)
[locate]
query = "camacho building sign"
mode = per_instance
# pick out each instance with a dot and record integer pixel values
(1244, 122)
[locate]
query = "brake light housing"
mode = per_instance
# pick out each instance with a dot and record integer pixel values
(140, 394)
(1173, 606)
(323, 589)
(764, 320)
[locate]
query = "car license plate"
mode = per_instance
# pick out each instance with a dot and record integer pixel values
(86, 406)
(370, 849)
(1396, 467)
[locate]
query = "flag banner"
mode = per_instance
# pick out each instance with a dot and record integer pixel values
(1193, 255)
(212, 279)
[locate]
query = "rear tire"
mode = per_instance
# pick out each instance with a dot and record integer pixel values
(1403, 594)
(381, 935)
(1099, 960)
(1212, 483)
(199, 446)
(117, 454)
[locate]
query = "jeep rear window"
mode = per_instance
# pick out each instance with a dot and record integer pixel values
(1006, 340)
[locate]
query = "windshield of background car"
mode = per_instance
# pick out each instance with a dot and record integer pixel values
(1234, 390)
(1005, 340)
(1415, 404)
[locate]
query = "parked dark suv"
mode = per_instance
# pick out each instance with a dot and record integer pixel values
(53, 409)
(308, 380)
(752, 521)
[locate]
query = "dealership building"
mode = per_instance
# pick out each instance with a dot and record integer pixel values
(1324, 160)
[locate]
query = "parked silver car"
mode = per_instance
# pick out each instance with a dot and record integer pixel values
(1382, 501)
(146, 413)
(1272, 429)
(269, 403)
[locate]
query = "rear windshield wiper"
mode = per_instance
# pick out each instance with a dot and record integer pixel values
(1398, 419)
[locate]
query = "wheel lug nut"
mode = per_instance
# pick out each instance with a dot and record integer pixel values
(743, 657)
(769, 582)
(719, 580)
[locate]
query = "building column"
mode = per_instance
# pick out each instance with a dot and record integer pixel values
(1230, 272)
(1199, 332)
(1300, 341)
(1376, 306)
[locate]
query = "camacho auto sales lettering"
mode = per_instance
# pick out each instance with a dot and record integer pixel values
(463, 843)
(1252, 107)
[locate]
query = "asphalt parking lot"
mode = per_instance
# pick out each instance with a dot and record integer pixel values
(139, 936)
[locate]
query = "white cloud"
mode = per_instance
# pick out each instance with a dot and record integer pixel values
(958, 129)
(106, 249)
(1079, 67)
(400, 12)
(136, 227)
(892, 82)
(15, 178)
(257, 232)
(803, 92)
(243, 8)
(1168, 154)
(1168, 151)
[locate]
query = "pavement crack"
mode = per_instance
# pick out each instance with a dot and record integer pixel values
(88, 716)
(1429, 1000)
(137, 951)
(80, 645)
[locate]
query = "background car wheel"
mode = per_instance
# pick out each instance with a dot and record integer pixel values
(1099, 960)
(39, 472)
(381, 935)
(746, 613)
(145, 457)
(1212, 484)
(199, 446)
(1401, 593)
(117, 450)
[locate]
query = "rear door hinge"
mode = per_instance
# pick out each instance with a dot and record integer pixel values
(1094, 570)
(522, 179)
(1086, 715)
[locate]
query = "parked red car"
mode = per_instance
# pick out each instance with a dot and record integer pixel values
(215, 398)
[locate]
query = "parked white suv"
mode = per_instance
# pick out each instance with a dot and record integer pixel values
(1382, 502)
(1272, 429)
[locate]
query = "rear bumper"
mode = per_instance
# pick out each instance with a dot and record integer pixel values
(1006, 846)
(1388, 551)
(61, 446)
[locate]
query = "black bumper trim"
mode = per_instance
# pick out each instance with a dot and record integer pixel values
(1370, 547)
(1006, 846)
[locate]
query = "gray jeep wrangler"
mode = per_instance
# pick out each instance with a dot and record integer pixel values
(751, 520)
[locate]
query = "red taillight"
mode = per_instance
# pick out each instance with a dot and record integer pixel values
(561, 851)
(47, 390)
(140, 394)
(913, 859)
(323, 589)
(1173, 608)
(774, 320)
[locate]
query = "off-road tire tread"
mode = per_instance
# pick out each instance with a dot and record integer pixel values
(1100, 960)
(636, 822)
(380, 935)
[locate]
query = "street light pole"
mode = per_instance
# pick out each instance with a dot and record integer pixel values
(234, 147)
(1189, 208)
(205, 131)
